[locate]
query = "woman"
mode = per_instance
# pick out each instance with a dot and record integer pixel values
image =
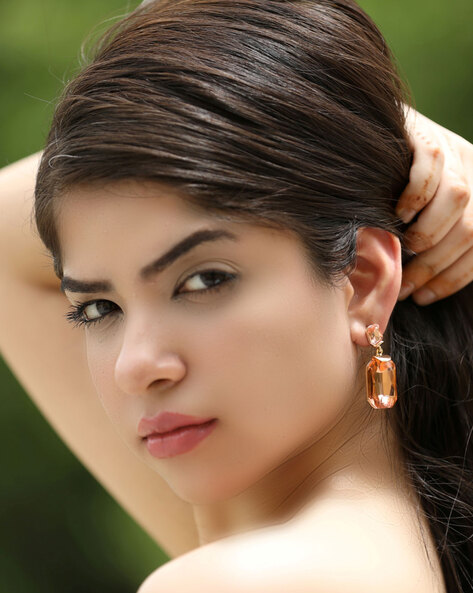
(219, 194)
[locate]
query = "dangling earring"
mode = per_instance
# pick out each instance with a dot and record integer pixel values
(381, 391)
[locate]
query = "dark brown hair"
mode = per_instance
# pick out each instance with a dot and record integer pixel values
(287, 114)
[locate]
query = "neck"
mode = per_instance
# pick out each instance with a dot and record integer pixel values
(353, 458)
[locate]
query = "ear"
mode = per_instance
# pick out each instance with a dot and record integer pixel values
(375, 282)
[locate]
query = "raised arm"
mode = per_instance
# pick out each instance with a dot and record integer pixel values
(48, 358)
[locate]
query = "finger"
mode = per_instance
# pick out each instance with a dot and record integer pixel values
(429, 264)
(451, 280)
(424, 176)
(441, 214)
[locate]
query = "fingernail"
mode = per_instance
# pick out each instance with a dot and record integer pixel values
(424, 296)
(406, 289)
(406, 214)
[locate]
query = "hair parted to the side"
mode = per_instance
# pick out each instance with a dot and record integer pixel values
(288, 114)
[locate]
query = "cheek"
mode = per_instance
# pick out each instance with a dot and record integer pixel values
(286, 372)
(281, 376)
(101, 359)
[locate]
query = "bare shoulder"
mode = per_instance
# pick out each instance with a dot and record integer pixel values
(338, 552)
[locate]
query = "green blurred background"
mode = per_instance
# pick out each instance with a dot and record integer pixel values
(59, 530)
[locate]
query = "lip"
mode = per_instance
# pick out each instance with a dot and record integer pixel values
(166, 422)
(178, 441)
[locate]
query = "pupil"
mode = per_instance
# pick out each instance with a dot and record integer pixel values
(102, 307)
(215, 278)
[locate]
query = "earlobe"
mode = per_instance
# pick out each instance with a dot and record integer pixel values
(375, 282)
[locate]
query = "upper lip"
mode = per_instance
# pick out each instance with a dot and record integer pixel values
(167, 421)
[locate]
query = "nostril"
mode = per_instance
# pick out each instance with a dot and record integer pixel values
(163, 383)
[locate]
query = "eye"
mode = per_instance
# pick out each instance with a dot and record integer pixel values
(216, 278)
(93, 312)
(90, 312)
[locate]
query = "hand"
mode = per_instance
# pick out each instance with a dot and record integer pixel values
(439, 187)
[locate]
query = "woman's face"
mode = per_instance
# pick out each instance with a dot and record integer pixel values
(268, 353)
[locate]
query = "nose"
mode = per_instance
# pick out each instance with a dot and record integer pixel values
(143, 362)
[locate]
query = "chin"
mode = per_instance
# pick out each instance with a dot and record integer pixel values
(208, 487)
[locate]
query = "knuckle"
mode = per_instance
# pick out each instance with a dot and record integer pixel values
(435, 152)
(468, 230)
(418, 239)
(429, 269)
(461, 193)
(420, 199)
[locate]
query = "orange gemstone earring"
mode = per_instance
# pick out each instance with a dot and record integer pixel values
(381, 391)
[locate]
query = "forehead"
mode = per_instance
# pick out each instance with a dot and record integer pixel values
(128, 215)
(124, 202)
(130, 222)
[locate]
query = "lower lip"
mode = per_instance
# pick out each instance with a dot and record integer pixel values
(178, 441)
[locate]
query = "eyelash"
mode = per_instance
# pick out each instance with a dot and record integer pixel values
(75, 314)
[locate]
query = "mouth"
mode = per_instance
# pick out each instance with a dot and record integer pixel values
(179, 440)
(178, 429)
(167, 422)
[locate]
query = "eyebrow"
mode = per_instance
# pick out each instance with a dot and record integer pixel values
(155, 267)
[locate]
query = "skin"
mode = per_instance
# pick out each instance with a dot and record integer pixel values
(275, 356)
(439, 190)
